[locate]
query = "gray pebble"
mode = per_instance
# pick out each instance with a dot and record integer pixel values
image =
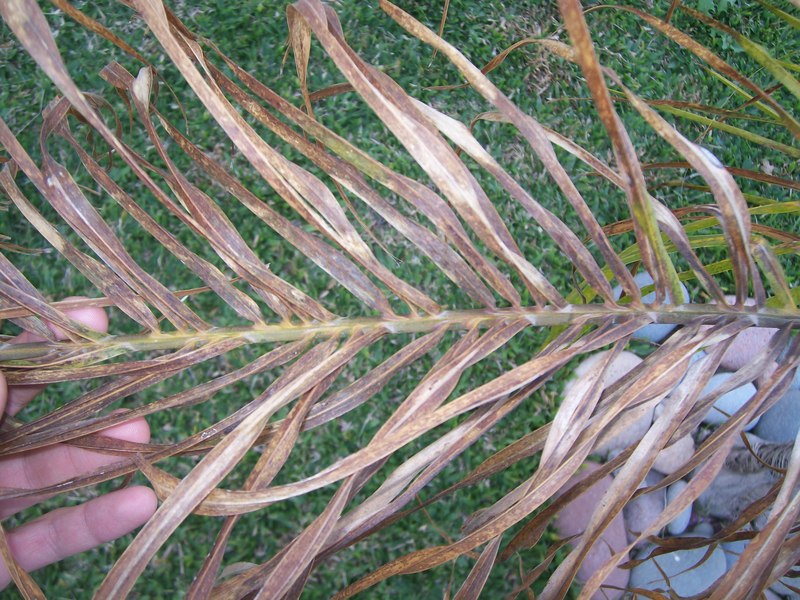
(679, 524)
(728, 403)
(781, 422)
(656, 332)
(687, 571)
(643, 510)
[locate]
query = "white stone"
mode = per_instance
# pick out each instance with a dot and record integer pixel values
(673, 457)
(619, 367)
(746, 347)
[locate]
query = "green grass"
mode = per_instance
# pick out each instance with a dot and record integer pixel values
(253, 34)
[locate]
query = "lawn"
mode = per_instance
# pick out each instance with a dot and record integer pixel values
(254, 35)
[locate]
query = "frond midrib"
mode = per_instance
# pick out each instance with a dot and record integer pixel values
(452, 319)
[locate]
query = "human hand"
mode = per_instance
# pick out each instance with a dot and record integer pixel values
(67, 531)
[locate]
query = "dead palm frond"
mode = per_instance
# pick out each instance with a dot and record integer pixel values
(317, 352)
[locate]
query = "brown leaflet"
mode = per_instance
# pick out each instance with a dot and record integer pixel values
(701, 479)
(734, 216)
(537, 370)
(736, 172)
(305, 547)
(559, 48)
(216, 280)
(214, 226)
(431, 392)
(618, 397)
(27, 22)
(141, 375)
(165, 484)
(753, 567)
(531, 533)
(29, 323)
(322, 254)
(383, 507)
(428, 558)
(287, 179)
(441, 24)
(716, 449)
(9, 274)
(713, 444)
(715, 62)
(429, 150)
(212, 469)
(331, 90)
(98, 273)
(522, 448)
(560, 233)
(435, 336)
(272, 459)
(533, 133)
(765, 258)
(347, 175)
(575, 410)
(100, 29)
(16, 288)
(754, 369)
(59, 427)
(419, 195)
(66, 198)
(201, 393)
(476, 580)
(123, 80)
(185, 446)
(300, 43)
(192, 352)
(787, 560)
(533, 575)
(100, 301)
(442, 379)
(403, 485)
(651, 246)
(326, 257)
(360, 391)
(467, 351)
(537, 492)
(666, 219)
(629, 477)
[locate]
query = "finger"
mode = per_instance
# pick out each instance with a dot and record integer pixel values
(20, 395)
(47, 466)
(67, 531)
(3, 393)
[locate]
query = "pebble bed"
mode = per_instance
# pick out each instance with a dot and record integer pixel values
(689, 571)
